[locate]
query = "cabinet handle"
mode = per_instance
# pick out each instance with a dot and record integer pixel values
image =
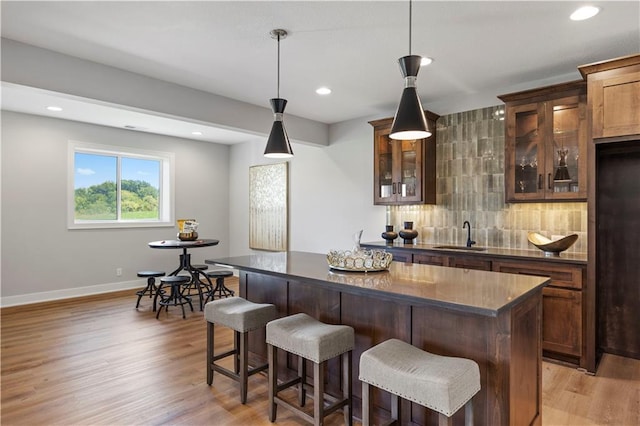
(540, 181)
(549, 180)
(394, 187)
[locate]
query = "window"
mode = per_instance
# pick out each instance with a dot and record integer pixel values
(111, 188)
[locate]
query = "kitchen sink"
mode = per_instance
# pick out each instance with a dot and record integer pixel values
(461, 248)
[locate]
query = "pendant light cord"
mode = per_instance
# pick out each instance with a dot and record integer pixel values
(278, 65)
(410, 15)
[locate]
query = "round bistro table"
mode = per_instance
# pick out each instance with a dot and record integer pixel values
(185, 262)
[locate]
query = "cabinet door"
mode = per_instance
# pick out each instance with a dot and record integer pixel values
(408, 169)
(384, 186)
(565, 155)
(524, 152)
(615, 102)
(562, 321)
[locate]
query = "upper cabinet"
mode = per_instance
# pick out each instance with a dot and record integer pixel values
(614, 96)
(545, 143)
(404, 172)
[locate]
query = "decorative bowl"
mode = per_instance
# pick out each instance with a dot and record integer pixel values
(359, 260)
(552, 247)
(187, 236)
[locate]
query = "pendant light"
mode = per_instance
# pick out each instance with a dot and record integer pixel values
(409, 122)
(278, 145)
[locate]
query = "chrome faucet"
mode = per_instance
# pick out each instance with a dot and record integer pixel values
(467, 225)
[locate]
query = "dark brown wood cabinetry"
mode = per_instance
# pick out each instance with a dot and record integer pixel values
(568, 333)
(563, 327)
(614, 96)
(404, 172)
(545, 143)
(614, 203)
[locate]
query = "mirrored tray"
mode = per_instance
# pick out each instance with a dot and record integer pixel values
(359, 260)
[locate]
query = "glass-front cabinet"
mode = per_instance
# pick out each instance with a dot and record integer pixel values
(545, 144)
(404, 171)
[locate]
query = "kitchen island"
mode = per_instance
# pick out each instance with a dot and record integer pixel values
(492, 318)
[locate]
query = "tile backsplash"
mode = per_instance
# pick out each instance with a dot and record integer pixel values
(470, 186)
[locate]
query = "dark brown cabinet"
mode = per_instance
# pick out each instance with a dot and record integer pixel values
(568, 333)
(404, 172)
(563, 328)
(614, 96)
(613, 88)
(545, 143)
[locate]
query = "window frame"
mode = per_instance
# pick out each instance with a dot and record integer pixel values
(166, 201)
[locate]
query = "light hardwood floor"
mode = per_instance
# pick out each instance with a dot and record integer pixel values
(99, 361)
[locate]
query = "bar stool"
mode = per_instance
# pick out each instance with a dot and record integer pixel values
(241, 316)
(151, 288)
(318, 342)
(175, 297)
(440, 383)
(200, 267)
(220, 289)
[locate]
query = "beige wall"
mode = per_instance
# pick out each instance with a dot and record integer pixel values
(470, 186)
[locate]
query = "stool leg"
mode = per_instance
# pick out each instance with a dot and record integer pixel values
(176, 288)
(395, 409)
(468, 413)
(244, 355)
(238, 353)
(366, 406)
(272, 356)
(347, 387)
(444, 420)
(302, 373)
(155, 299)
(210, 341)
(318, 390)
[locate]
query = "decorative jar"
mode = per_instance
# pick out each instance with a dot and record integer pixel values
(408, 234)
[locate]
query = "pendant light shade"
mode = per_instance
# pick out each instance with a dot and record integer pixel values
(278, 145)
(409, 122)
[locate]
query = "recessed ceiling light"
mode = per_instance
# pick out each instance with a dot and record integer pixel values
(584, 12)
(196, 133)
(54, 108)
(425, 61)
(323, 90)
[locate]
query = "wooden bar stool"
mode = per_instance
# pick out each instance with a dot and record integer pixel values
(440, 383)
(175, 296)
(151, 288)
(220, 290)
(318, 342)
(241, 316)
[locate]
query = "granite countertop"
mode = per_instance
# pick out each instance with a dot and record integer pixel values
(535, 254)
(478, 292)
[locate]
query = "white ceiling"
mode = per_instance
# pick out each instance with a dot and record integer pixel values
(480, 49)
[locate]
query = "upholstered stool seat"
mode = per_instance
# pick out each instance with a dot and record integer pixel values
(241, 316)
(151, 287)
(220, 290)
(318, 342)
(440, 383)
(175, 297)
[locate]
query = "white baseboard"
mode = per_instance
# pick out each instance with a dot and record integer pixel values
(45, 296)
(67, 293)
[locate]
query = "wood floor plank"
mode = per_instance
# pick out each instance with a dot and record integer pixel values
(97, 360)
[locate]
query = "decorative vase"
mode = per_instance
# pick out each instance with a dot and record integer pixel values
(408, 233)
(389, 235)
